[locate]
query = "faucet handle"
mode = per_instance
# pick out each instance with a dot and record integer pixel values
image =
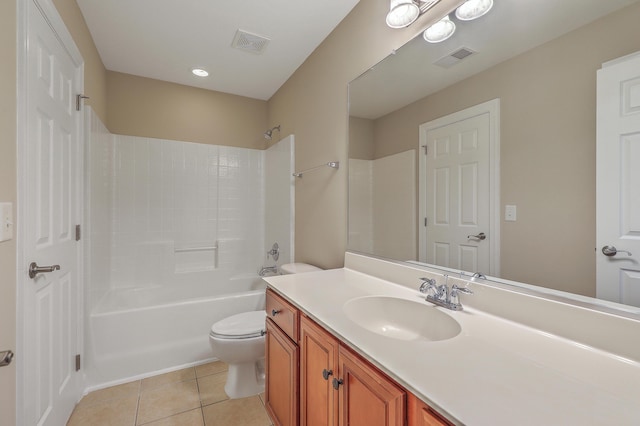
(427, 283)
(455, 290)
(461, 289)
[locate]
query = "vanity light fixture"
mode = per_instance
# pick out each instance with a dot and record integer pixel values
(402, 13)
(200, 72)
(440, 31)
(473, 9)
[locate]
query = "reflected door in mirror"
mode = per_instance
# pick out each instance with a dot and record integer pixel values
(618, 181)
(456, 188)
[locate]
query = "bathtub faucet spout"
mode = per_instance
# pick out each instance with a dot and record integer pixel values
(265, 269)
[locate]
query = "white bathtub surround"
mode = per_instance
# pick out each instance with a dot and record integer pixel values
(98, 213)
(520, 358)
(171, 196)
(175, 233)
(376, 225)
(280, 199)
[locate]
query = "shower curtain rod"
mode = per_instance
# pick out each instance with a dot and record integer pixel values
(332, 164)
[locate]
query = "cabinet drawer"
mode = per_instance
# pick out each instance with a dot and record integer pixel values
(283, 314)
(420, 414)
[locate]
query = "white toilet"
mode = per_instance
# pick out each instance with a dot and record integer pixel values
(239, 340)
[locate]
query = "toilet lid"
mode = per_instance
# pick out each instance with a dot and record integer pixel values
(240, 326)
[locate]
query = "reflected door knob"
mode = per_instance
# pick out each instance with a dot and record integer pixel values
(481, 236)
(612, 251)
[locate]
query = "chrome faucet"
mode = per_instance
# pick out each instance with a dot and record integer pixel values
(263, 271)
(442, 296)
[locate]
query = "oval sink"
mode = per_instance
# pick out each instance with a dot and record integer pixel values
(401, 318)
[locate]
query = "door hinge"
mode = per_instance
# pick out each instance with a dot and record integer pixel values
(79, 99)
(426, 149)
(425, 221)
(78, 362)
(78, 232)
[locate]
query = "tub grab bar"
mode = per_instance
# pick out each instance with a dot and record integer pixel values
(189, 249)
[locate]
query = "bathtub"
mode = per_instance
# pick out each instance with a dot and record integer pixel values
(136, 333)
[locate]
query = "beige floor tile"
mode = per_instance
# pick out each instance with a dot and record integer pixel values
(189, 418)
(212, 388)
(236, 412)
(160, 402)
(211, 368)
(119, 411)
(164, 379)
(119, 391)
(262, 397)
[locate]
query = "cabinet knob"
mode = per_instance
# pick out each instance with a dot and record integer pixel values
(326, 373)
(274, 312)
(337, 383)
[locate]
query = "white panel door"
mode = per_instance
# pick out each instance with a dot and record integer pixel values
(51, 301)
(618, 181)
(458, 191)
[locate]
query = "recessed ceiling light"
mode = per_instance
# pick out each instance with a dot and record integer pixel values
(200, 72)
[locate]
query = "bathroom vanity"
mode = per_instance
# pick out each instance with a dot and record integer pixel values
(360, 345)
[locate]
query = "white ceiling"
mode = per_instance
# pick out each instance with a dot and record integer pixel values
(165, 39)
(510, 28)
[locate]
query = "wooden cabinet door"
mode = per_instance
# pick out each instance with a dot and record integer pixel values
(318, 368)
(281, 390)
(366, 396)
(420, 414)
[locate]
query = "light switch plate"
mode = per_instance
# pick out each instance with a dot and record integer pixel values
(6, 221)
(510, 213)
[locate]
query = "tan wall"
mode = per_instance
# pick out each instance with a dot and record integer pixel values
(146, 107)
(8, 194)
(548, 111)
(312, 104)
(95, 74)
(361, 138)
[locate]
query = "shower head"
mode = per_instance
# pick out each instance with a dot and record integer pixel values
(269, 133)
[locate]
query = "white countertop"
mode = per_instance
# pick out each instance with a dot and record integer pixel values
(495, 372)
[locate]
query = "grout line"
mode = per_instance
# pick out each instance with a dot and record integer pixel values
(135, 418)
(202, 415)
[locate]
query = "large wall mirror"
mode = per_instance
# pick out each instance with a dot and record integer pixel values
(533, 65)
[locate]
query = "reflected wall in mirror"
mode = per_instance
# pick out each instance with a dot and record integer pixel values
(540, 59)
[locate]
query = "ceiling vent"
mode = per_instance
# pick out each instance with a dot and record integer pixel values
(453, 58)
(250, 42)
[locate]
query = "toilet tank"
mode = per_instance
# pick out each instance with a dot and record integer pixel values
(297, 268)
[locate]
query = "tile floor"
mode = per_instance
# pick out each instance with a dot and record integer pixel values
(190, 397)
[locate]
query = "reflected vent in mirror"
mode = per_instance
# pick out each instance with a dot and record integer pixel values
(453, 58)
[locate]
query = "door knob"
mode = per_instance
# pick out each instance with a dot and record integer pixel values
(612, 251)
(34, 269)
(481, 236)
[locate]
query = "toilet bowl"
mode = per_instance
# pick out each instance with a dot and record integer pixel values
(239, 341)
